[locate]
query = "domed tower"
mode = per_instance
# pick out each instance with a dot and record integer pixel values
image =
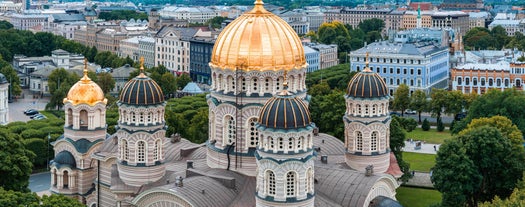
(73, 169)
(284, 154)
(367, 122)
(141, 130)
(248, 62)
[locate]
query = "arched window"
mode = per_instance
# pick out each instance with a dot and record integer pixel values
(467, 81)
(133, 118)
(506, 82)
(124, 150)
(267, 85)
(290, 144)
(212, 125)
(69, 117)
(219, 85)
(278, 84)
(300, 143)
(280, 143)
(475, 81)
(83, 118)
(498, 82)
(366, 109)
(141, 118)
(254, 85)
(459, 80)
(374, 107)
(290, 184)
(359, 141)
(309, 180)
(482, 81)
(270, 183)
(253, 135)
(373, 141)
(518, 83)
(243, 84)
(141, 152)
(272, 144)
(358, 106)
(380, 109)
(157, 150)
(65, 179)
(229, 130)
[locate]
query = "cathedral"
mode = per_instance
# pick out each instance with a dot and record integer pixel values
(263, 148)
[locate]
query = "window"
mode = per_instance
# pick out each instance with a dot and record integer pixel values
(229, 130)
(290, 184)
(254, 85)
(498, 82)
(491, 82)
(267, 85)
(290, 144)
(270, 184)
(253, 135)
(374, 109)
(358, 109)
(309, 180)
(419, 71)
(156, 150)
(278, 84)
(467, 81)
(483, 82)
(280, 143)
(243, 84)
(366, 109)
(141, 151)
(124, 150)
(359, 140)
(272, 144)
(300, 143)
(373, 141)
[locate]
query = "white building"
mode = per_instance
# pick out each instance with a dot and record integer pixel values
(192, 14)
(10, 6)
(511, 26)
(172, 48)
(4, 97)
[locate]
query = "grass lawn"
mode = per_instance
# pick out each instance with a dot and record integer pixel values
(420, 162)
(417, 197)
(431, 136)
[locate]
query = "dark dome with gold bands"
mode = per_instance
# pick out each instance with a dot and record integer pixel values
(367, 84)
(284, 112)
(141, 90)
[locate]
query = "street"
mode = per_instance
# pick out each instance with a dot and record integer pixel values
(17, 107)
(40, 182)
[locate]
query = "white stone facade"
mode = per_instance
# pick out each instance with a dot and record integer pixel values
(367, 134)
(4, 106)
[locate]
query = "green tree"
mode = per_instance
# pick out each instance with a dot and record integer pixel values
(426, 125)
(440, 126)
(15, 162)
(5, 25)
(106, 82)
(397, 142)
(419, 102)
(199, 126)
(216, 22)
(319, 89)
(59, 201)
(373, 24)
(16, 198)
(455, 174)
(12, 77)
(401, 98)
(182, 80)
(517, 198)
(39, 147)
(60, 81)
(491, 153)
(326, 112)
(438, 102)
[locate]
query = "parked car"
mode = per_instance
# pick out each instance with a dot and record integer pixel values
(30, 112)
(408, 111)
(36, 115)
(393, 113)
(40, 117)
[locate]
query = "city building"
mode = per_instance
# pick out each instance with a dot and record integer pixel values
(258, 153)
(462, 5)
(480, 77)
(297, 20)
(419, 62)
(191, 14)
(510, 26)
(121, 77)
(312, 58)
(355, 16)
(65, 24)
(478, 19)
(6, 6)
(139, 46)
(327, 54)
(147, 50)
(200, 57)
(4, 98)
(173, 48)
(34, 22)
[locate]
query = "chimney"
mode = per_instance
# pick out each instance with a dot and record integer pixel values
(178, 181)
(369, 170)
(189, 164)
(324, 159)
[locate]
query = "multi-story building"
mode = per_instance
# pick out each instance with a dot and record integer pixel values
(312, 58)
(192, 14)
(315, 19)
(478, 19)
(297, 20)
(327, 54)
(457, 20)
(510, 26)
(29, 22)
(173, 48)
(394, 20)
(200, 57)
(421, 63)
(6, 6)
(462, 5)
(65, 24)
(410, 19)
(480, 77)
(4, 97)
(129, 48)
(147, 50)
(88, 35)
(355, 16)
(121, 77)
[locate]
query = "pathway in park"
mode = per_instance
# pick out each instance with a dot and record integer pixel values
(420, 179)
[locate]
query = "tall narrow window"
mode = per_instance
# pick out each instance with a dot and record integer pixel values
(270, 183)
(309, 180)
(373, 141)
(290, 184)
(124, 150)
(254, 85)
(141, 152)
(272, 144)
(290, 144)
(229, 130)
(359, 141)
(157, 152)
(280, 143)
(253, 135)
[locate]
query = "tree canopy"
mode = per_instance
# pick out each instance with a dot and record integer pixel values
(15, 198)
(401, 98)
(481, 162)
(122, 15)
(15, 162)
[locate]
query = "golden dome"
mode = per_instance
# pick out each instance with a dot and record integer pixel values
(258, 40)
(85, 91)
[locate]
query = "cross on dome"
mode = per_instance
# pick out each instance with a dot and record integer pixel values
(366, 64)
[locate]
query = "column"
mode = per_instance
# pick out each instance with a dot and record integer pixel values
(60, 183)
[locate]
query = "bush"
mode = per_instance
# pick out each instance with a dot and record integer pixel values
(39, 147)
(440, 125)
(408, 124)
(426, 125)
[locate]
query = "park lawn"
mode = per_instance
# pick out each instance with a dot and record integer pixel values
(417, 197)
(431, 136)
(420, 162)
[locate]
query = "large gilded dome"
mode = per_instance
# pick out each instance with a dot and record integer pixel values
(258, 40)
(85, 91)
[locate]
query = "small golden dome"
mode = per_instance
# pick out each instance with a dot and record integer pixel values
(258, 40)
(85, 91)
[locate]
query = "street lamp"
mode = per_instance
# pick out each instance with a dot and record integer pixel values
(48, 143)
